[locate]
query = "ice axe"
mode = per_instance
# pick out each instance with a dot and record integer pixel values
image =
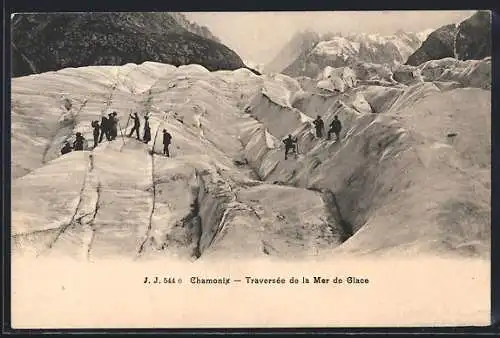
(121, 133)
(156, 135)
(154, 141)
(128, 120)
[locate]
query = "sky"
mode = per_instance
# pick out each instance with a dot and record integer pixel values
(258, 36)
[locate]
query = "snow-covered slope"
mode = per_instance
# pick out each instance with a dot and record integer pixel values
(411, 179)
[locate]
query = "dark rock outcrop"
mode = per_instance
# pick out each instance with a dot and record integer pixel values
(193, 27)
(439, 45)
(473, 41)
(48, 42)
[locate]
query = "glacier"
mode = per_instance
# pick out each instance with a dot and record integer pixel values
(396, 183)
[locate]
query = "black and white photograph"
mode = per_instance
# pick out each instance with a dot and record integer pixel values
(302, 143)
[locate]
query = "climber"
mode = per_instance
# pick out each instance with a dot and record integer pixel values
(113, 131)
(147, 130)
(104, 128)
(290, 144)
(115, 115)
(95, 125)
(67, 104)
(66, 149)
(320, 126)
(78, 144)
(166, 142)
(335, 127)
(137, 124)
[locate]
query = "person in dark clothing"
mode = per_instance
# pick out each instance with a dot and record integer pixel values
(104, 128)
(114, 127)
(290, 144)
(320, 126)
(137, 124)
(335, 127)
(66, 149)
(166, 142)
(147, 130)
(78, 144)
(95, 125)
(67, 104)
(111, 123)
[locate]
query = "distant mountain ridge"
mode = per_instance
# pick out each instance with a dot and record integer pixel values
(300, 44)
(308, 53)
(337, 50)
(47, 42)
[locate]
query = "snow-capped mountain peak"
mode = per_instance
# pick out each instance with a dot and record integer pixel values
(337, 46)
(339, 51)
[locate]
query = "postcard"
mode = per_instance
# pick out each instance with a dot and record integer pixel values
(251, 169)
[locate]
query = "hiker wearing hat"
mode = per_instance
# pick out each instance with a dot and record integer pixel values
(104, 128)
(66, 149)
(319, 125)
(113, 125)
(137, 124)
(78, 144)
(335, 128)
(147, 130)
(95, 125)
(290, 145)
(166, 142)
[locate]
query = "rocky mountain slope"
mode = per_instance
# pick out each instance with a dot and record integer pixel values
(470, 40)
(410, 176)
(473, 40)
(47, 42)
(193, 27)
(439, 45)
(298, 47)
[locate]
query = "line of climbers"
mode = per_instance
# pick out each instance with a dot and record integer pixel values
(109, 128)
(319, 126)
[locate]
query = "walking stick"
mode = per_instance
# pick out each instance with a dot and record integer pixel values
(156, 134)
(126, 126)
(123, 139)
(154, 141)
